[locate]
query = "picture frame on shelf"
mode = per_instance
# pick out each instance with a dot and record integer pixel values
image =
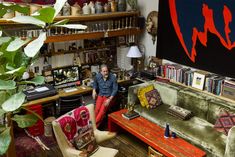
(121, 40)
(198, 80)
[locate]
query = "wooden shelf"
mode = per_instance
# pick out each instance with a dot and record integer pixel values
(82, 18)
(93, 35)
(102, 16)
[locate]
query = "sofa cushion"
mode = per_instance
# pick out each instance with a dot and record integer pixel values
(196, 130)
(225, 122)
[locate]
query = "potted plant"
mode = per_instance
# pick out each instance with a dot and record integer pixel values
(16, 55)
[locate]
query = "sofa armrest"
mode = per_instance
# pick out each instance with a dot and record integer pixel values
(132, 92)
(230, 143)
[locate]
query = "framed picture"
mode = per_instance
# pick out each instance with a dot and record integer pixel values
(198, 80)
(121, 40)
(153, 153)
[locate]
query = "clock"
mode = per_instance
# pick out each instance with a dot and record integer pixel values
(151, 24)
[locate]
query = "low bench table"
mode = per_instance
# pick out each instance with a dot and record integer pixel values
(153, 135)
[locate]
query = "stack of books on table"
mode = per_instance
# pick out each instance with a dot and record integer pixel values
(130, 115)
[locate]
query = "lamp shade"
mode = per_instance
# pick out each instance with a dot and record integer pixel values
(134, 52)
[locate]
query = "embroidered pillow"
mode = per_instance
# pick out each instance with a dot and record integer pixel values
(225, 121)
(68, 126)
(149, 97)
(78, 130)
(85, 139)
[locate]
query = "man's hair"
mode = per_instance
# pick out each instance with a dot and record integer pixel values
(103, 66)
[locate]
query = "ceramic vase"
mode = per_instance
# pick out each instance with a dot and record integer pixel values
(167, 131)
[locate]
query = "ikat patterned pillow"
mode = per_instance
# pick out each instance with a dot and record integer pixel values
(225, 122)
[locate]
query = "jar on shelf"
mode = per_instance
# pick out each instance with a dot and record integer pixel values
(66, 9)
(86, 9)
(107, 7)
(121, 5)
(75, 10)
(113, 4)
(98, 7)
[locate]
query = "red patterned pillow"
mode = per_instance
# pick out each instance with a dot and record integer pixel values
(68, 125)
(225, 121)
(77, 127)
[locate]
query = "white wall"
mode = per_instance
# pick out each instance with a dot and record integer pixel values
(145, 7)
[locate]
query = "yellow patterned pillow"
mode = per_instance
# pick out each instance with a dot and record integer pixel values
(141, 95)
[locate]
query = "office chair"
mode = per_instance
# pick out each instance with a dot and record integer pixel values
(68, 103)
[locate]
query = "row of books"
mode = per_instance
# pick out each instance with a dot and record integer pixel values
(203, 80)
(177, 73)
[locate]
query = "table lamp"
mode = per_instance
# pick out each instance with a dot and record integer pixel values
(134, 53)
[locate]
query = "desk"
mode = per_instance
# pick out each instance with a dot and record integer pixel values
(153, 135)
(81, 90)
(61, 93)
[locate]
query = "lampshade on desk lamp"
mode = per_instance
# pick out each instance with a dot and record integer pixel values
(134, 53)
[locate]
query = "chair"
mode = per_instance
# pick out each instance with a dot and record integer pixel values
(68, 103)
(100, 136)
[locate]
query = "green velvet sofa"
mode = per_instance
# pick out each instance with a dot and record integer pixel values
(198, 130)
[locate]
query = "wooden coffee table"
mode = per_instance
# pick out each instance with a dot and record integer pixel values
(153, 135)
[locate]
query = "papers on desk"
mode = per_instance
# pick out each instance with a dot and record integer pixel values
(67, 90)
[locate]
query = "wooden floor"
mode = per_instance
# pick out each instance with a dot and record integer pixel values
(128, 146)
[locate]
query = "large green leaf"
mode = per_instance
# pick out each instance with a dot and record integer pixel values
(20, 9)
(4, 40)
(61, 22)
(14, 102)
(33, 47)
(2, 112)
(72, 26)
(58, 6)
(18, 70)
(7, 85)
(38, 80)
(28, 20)
(5, 140)
(4, 95)
(16, 44)
(46, 14)
(26, 120)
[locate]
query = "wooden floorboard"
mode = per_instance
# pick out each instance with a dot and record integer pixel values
(128, 146)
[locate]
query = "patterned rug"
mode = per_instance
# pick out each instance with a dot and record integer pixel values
(29, 147)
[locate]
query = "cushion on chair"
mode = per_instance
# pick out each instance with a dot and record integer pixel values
(78, 129)
(149, 97)
(225, 122)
